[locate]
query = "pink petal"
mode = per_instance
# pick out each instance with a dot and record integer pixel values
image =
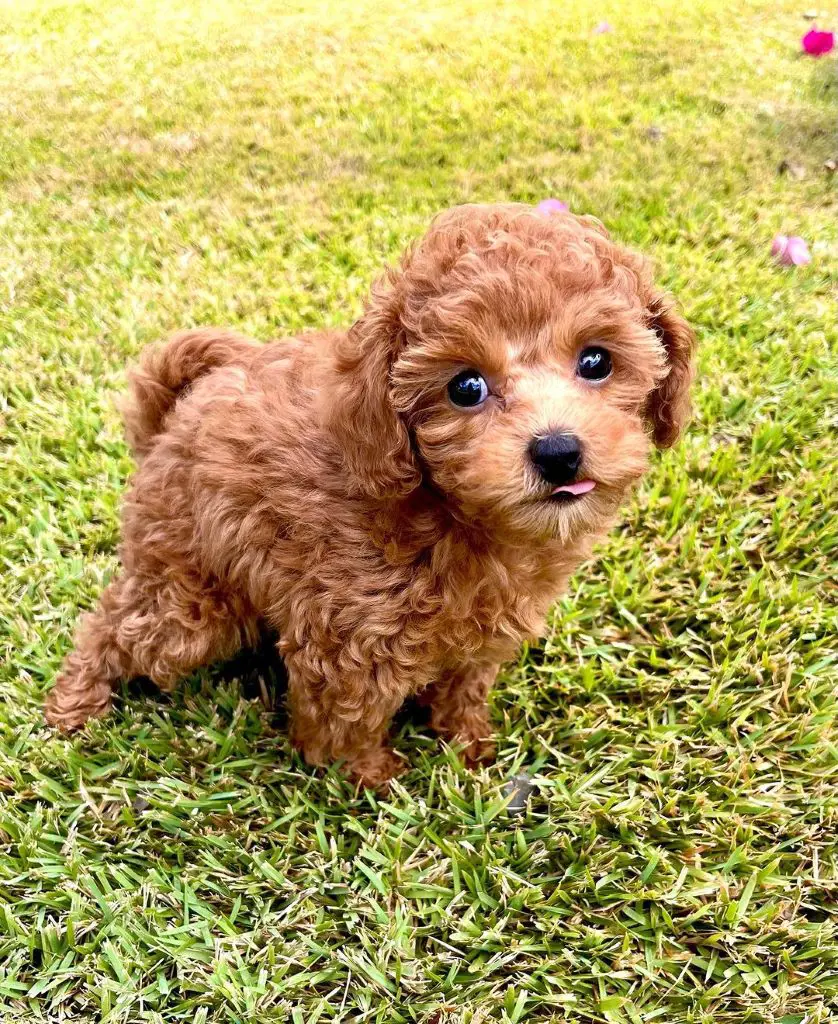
(602, 28)
(779, 245)
(790, 251)
(549, 206)
(816, 42)
(797, 252)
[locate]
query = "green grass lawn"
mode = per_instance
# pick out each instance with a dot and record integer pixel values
(169, 162)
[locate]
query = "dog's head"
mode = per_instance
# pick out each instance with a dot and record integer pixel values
(519, 364)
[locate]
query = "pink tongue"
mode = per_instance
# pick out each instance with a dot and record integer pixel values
(580, 487)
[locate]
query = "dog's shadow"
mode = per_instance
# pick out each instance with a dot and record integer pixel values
(261, 675)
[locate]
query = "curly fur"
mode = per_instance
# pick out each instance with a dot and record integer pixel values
(325, 484)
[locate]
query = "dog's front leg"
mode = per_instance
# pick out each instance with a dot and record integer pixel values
(342, 712)
(460, 710)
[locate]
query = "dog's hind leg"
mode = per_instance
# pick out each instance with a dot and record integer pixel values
(145, 626)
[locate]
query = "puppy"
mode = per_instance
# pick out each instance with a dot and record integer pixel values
(401, 501)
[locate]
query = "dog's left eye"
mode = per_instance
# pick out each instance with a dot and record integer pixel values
(468, 389)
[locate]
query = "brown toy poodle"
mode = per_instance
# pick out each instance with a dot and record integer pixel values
(400, 501)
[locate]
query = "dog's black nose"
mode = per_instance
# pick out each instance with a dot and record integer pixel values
(557, 457)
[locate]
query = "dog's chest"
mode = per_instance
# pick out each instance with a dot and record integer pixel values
(490, 608)
(441, 607)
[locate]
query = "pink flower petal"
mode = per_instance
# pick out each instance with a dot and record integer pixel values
(816, 43)
(779, 245)
(798, 252)
(602, 28)
(790, 251)
(550, 206)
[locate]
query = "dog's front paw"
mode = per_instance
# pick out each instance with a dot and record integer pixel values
(481, 750)
(376, 768)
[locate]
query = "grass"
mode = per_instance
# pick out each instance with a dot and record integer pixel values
(255, 164)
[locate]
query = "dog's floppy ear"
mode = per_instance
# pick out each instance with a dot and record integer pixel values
(668, 406)
(372, 437)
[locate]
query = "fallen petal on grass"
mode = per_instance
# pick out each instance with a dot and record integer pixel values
(817, 42)
(790, 251)
(551, 206)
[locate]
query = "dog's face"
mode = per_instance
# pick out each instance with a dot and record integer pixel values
(529, 366)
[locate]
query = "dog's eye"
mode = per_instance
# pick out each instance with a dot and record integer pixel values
(594, 363)
(468, 389)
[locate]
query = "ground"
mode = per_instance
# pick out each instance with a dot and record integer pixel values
(170, 162)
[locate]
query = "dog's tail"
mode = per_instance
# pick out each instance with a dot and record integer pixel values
(167, 371)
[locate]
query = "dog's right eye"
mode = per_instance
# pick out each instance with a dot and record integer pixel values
(468, 389)
(594, 364)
